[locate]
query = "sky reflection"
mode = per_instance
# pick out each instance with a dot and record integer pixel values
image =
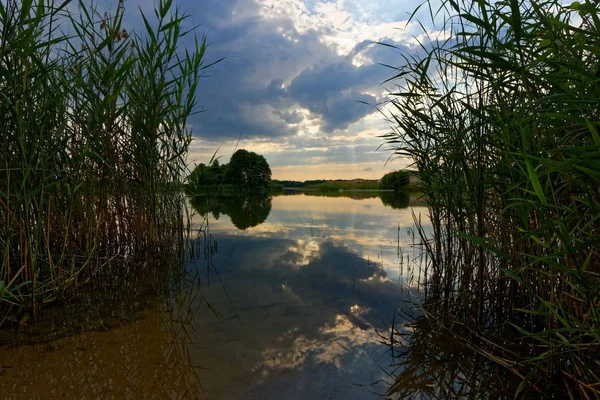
(303, 298)
(366, 227)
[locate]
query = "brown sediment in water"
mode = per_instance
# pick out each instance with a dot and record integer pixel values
(146, 358)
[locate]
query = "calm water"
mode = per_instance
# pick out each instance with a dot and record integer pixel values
(291, 305)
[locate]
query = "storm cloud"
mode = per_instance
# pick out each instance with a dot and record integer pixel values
(276, 76)
(299, 81)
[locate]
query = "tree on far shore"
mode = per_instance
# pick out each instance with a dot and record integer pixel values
(396, 180)
(245, 168)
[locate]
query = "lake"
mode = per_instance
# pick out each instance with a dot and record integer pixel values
(288, 297)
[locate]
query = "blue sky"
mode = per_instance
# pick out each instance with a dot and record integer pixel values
(293, 81)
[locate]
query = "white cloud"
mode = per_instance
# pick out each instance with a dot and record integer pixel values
(337, 25)
(295, 74)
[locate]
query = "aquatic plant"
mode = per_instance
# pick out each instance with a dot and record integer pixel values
(93, 145)
(499, 113)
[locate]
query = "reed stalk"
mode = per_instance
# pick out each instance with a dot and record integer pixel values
(500, 117)
(92, 146)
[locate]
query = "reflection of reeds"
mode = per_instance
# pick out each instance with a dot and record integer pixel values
(501, 119)
(432, 361)
(128, 335)
(93, 145)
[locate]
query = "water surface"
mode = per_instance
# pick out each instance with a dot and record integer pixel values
(294, 302)
(309, 291)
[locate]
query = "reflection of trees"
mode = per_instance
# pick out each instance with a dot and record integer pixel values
(245, 209)
(395, 199)
(346, 194)
(398, 199)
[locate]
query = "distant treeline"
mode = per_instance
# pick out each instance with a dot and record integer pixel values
(248, 169)
(397, 180)
(298, 184)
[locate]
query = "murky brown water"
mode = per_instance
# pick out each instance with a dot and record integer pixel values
(141, 359)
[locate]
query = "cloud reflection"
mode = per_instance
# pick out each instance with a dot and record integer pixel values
(367, 227)
(304, 299)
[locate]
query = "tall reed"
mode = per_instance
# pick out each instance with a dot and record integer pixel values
(500, 117)
(93, 144)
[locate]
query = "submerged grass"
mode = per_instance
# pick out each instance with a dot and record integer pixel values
(500, 116)
(93, 145)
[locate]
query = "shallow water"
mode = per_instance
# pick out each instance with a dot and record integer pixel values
(290, 306)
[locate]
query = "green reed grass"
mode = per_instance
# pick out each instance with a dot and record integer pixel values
(93, 143)
(501, 119)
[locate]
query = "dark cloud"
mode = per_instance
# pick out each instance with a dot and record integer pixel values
(368, 169)
(335, 91)
(292, 117)
(245, 93)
